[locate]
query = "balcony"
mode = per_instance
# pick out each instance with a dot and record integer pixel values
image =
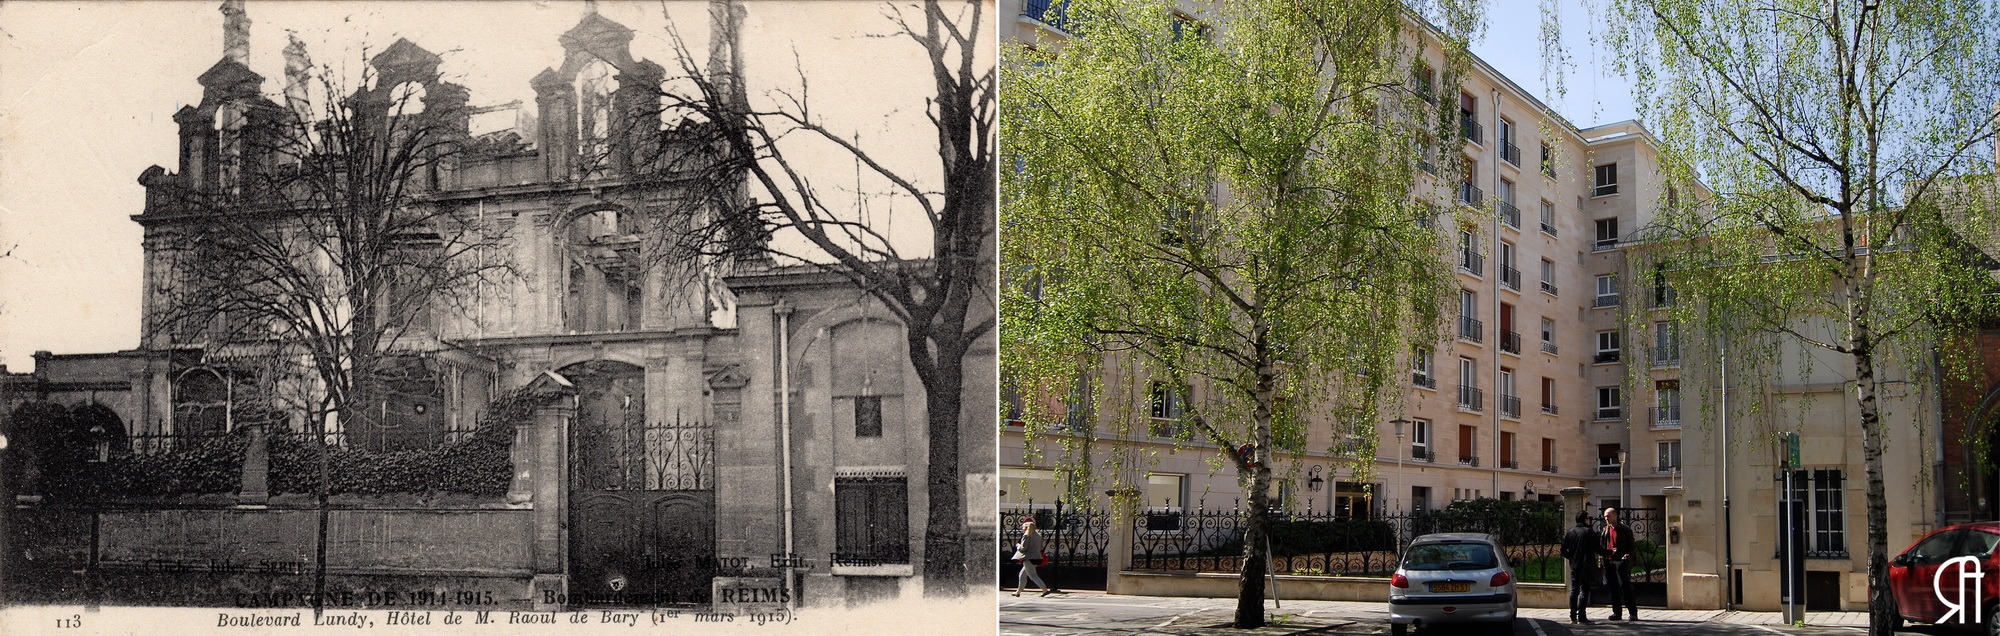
(1603, 244)
(1510, 406)
(1468, 460)
(1510, 152)
(1549, 347)
(1607, 468)
(1664, 297)
(1424, 380)
(1054, 13)
(1549, 408)
(1665, 470)
(1470, 194)
(1548, 468)
(1471, 329)
(1471, 398)
(1610, 412)
(1604, 300)
(1510, 277)
(1510, 342)
(1666, 417)
(1422, 454)
(1426, 166)
(1549, 229)
(1472, 263)
(1471, 130)
(1508, 463)
(1604, 357)
(1510, 215)
(1666, 359)
(1603, 189)
(1549, 288)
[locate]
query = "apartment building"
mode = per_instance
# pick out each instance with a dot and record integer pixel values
(1526, 394)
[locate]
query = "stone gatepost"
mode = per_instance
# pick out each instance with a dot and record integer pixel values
(1118, 554)
(256, 490)
(1676, 556)
(538, 474)
(1573, 505)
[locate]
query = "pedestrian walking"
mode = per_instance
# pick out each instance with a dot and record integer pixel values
(1582, 549)
(1029, 553)
(1618, 564)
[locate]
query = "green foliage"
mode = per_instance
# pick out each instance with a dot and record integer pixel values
(1227, 209)
(57, 442)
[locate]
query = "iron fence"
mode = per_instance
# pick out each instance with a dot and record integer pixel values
(1076, 541)
(1211, 540)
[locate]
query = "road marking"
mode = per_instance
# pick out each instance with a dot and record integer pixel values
(1538, 627)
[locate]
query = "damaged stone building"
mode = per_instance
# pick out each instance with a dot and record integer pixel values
(595, 427)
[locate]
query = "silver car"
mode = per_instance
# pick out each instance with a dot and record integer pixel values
(1457, 577)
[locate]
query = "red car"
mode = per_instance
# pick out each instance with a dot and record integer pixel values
(1912, 573)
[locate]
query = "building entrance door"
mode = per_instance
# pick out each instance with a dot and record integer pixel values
(642, 496)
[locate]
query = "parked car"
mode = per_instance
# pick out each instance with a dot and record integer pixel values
(1456, 577)
(1912, 574)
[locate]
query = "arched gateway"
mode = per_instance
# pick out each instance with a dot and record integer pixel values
(642, 495)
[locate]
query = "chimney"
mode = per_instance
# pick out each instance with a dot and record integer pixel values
(235, 32)
(298, 69)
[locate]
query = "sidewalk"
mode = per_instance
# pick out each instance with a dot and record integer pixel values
(1362, 609)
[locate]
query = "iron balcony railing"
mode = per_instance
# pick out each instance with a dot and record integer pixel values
(1422, 379)
(1422, 454)
(1607, 469)
(1510, 342)
(1470, 194)
(1666, 417)
(1510, 215)
(1604, 189)
(1549, 409)
(1548, 229)
(1472, 329)
(1604, 357)
(1054, 13)
(1605, 300)
(1510, 406)
(1548, 347)
(1470, 397)
(1509, 463)
(1470, 128)
(1666, 359)
(1510, 277)
(1468, 460)
(1604, 244)
(1549, 288)
(1610, 412)
(1510, 152)
(1548, 468)
(1665, 470)
(1426, 166)
(1472, 263)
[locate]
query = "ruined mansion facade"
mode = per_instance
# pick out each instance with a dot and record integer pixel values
(588, 425)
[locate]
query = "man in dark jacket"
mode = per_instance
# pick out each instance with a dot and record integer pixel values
(1618, 563)
(1582, 549)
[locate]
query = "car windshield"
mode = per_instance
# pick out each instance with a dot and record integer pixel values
(1450, 556)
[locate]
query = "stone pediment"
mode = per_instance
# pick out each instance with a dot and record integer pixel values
(229, 76)
(405, 61)
(728, 378)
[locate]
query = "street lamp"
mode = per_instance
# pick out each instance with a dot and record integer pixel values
(1399, 422)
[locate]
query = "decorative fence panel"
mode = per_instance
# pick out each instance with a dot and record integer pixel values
(1077, 541)
(1204, 540)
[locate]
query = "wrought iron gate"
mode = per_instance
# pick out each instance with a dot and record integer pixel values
(1076, 541)
(642, 497)
(1649, 547)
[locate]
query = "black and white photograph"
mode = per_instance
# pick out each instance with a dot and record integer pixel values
(500, 316)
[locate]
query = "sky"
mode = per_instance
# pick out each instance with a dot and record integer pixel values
(88, 91)
(1512, 44)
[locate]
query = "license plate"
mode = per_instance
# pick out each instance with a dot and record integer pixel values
(1448, 587)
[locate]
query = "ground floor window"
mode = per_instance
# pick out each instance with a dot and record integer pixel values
(871, 520)
(1825, 511)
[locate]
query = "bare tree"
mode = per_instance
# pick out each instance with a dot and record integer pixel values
(310, 256)
(754, 186)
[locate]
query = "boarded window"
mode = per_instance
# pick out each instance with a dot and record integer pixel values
(871, 520)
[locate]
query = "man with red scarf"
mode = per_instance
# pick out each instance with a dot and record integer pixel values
(1618, 563)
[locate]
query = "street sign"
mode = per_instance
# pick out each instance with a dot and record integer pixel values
(1791, 450)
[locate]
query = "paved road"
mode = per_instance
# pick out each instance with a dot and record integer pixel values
(1086, 613)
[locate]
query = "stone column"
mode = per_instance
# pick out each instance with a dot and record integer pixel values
(1118, 554)
(1573, 505)
(1676, 557)
(545, 439)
